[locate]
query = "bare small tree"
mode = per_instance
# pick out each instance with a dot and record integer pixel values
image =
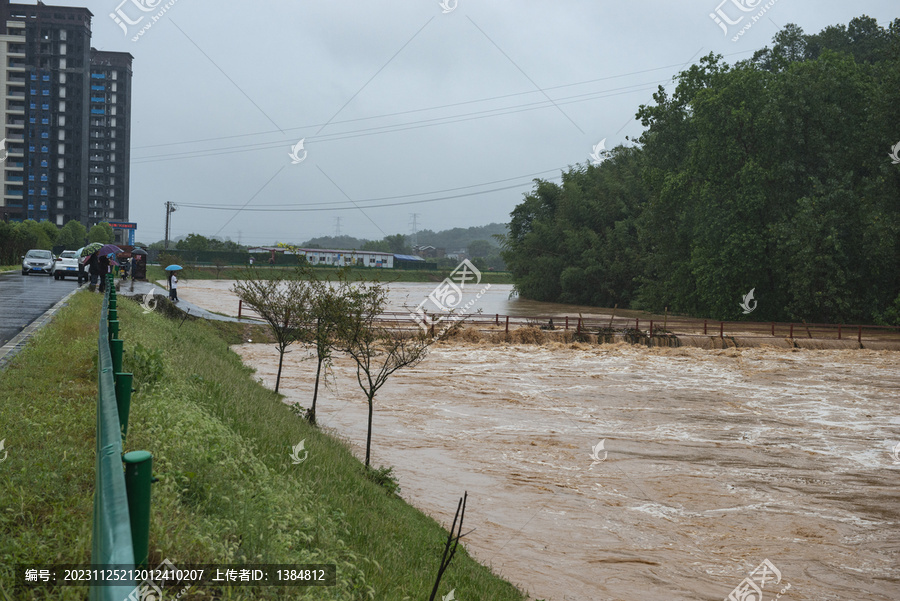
(283, 303)
(328, 309)
(377, 351)
(219, 264)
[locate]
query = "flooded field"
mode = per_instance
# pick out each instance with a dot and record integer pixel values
(216, 295)
(712, 461)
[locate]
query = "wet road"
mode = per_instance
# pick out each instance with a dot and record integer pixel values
(25, 298)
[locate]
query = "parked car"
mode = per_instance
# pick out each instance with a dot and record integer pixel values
(66, 264)
(37, 261)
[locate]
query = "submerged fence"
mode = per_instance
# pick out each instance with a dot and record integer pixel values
(121, 522)
(636, 328)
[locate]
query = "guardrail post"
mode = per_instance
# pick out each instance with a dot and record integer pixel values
(721, 329)
(859, 336)
(567, 322)
(704, 327)
(138, 475)
(791, 336)
(507, 324)
(637, 324)
(651, 328)
(112, 314)
(497, 319)
(116, 349)
(240, 307)
(839, 331)
(773, 328)
(113, 329)
(124, 383)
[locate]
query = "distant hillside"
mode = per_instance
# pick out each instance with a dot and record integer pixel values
(336, 242)
(459, 238)
(454, 239)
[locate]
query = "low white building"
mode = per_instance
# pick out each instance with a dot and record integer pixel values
(343, 258)
(323, 256)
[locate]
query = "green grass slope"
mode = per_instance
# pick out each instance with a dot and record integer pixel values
(227, 489)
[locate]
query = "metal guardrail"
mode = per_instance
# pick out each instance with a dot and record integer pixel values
(121, 519)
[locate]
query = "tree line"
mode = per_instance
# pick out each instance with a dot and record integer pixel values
(16, 239)
(773, 175)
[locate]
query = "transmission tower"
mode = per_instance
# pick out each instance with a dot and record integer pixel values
(337, 227)
(414, 225)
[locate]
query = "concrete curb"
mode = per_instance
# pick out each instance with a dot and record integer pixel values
(18, 342)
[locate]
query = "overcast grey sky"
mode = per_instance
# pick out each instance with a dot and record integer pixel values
(398, 101)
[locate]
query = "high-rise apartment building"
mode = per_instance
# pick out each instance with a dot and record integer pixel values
(110, 137)
(67, 129)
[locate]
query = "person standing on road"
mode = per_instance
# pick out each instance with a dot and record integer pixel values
(173, 287)
(251, 261)
(103, 262)
(94, 271)
(82, 276)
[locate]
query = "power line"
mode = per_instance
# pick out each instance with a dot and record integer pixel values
(329, 203)
(355, 207)
(419, 110)
(435, 121)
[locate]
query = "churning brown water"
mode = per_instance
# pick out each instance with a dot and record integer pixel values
(713, 461)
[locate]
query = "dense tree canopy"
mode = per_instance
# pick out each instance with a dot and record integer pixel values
(102, 232)
(770, 174)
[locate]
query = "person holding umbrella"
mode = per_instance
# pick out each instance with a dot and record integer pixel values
(88, 255)
(173, 282)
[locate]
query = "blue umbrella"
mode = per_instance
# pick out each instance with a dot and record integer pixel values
(174, 268)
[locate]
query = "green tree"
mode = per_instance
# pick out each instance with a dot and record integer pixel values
(283, 303)
(102, 233)
(397, 244)
(72, 235)
(480, 248)
(194, 242)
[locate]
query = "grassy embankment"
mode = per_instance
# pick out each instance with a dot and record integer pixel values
(16, 267)
(227, 489)
(155, 272)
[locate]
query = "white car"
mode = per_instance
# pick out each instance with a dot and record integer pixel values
(66, 264)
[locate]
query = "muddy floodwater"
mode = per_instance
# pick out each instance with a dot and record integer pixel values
(712, 461)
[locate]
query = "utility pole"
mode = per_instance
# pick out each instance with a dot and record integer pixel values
(415, 228)
(170, 208)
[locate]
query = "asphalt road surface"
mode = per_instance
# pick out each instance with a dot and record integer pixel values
(25, 298)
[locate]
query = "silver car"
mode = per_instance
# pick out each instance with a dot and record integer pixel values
(37, 261)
